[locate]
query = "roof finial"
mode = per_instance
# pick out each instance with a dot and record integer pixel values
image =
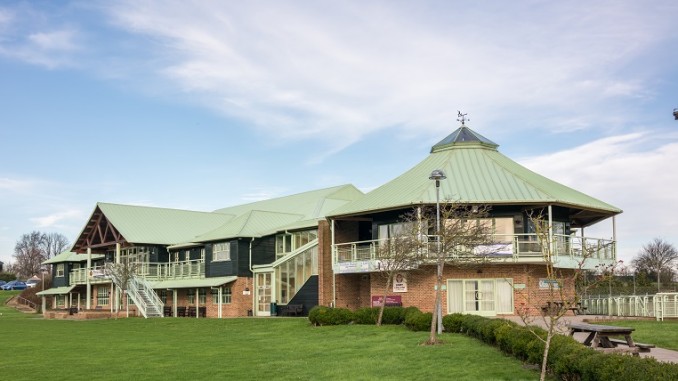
(462, 117)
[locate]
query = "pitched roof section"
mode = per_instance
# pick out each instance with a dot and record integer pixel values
(297, 211)
(143, 224)
(312, 204)
(255, 223)
(476, 173)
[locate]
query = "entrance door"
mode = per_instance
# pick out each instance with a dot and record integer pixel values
(264, 293)
(479, 297)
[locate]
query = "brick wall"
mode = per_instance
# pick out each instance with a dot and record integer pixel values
(421, 292)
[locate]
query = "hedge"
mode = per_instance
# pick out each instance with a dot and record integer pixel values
(568, 359)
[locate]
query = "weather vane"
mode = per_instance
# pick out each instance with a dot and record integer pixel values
(462, 117)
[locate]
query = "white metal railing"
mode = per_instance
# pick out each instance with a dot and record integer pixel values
(660, 305)
(172, 270)
(148, 270)
(96, 274)
(145, 298)
(516, 247)
(139, 290)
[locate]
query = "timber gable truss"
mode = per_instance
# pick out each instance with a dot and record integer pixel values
(99, 232)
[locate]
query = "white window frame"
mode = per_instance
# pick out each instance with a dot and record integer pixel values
(226, 295)
(221, 252)
(60, 270)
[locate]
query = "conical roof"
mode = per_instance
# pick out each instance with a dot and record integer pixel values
(475, 173)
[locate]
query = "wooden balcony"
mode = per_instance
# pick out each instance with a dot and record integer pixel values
(568, 252)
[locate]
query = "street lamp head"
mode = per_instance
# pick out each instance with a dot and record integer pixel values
(437, 175)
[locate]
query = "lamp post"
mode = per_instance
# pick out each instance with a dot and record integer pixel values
(438, 175)
(43, 270)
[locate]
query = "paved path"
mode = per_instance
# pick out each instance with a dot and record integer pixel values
(660, 354)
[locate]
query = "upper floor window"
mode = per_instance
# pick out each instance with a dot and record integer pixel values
(221, 251)
(60, 270)
(288, 242)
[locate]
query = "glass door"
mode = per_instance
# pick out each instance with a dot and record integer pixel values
(479, 297)
(264, 293)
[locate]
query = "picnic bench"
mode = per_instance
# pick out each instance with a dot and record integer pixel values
(603, 336)
(291, 309)
(555, 307)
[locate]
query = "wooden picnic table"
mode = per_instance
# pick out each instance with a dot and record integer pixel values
(599, 335)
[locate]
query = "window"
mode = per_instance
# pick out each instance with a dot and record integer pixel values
(191, 296)
(102, 296)
(225, 296)
(60, 270)
(60, 301)
(202, 296)
(221, 251)
(163, 296)
(287, 243)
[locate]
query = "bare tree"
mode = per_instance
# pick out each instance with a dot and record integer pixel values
(399, 253)
(655, 257)
(556, 294)
(464, 240)
(54, 244)
(122, 273)
(29, 253)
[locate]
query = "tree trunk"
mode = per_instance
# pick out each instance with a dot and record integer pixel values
(383, 302)
(547, 346)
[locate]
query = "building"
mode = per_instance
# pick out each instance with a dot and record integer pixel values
(319, 247)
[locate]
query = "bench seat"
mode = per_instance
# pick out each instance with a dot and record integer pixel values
(641, 346)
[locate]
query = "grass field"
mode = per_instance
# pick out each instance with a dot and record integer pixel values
(236, 349)
(663, 334)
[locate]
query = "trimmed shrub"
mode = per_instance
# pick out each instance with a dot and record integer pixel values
(568, 359)
(366, 315)
(453, 323)
(418, 321)
(321, 315)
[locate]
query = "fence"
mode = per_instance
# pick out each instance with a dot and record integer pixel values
(659, 306)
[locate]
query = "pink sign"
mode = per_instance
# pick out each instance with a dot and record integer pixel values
(391, 300)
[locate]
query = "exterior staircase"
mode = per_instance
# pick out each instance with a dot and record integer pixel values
(139, 290)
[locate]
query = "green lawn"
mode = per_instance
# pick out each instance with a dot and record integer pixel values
(236, 349)
(663, 334)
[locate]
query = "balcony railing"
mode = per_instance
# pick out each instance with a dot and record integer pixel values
(153, 271)
(516, 248)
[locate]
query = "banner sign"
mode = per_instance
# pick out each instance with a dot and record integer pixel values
(391, 300)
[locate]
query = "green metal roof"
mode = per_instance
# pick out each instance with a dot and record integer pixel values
(70, 256)
(143, 224)
(56, 291)
(266, 217)
(312, 204)
(255, 223)
(193, 283)
(476, 173)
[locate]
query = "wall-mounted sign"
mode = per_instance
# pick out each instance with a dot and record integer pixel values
(391, 300)
(519, 286)
(548, 283)
(400, 283)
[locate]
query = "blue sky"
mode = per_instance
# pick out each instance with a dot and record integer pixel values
(208, 104)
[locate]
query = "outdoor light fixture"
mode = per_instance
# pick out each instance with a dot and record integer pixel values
(438, 175)
(43, 270)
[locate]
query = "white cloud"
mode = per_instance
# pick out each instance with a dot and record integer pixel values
(339, 71)
(15, 185)
(633, 172)
(56, 219)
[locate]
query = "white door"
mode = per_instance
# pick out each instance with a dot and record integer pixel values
(264, 293)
